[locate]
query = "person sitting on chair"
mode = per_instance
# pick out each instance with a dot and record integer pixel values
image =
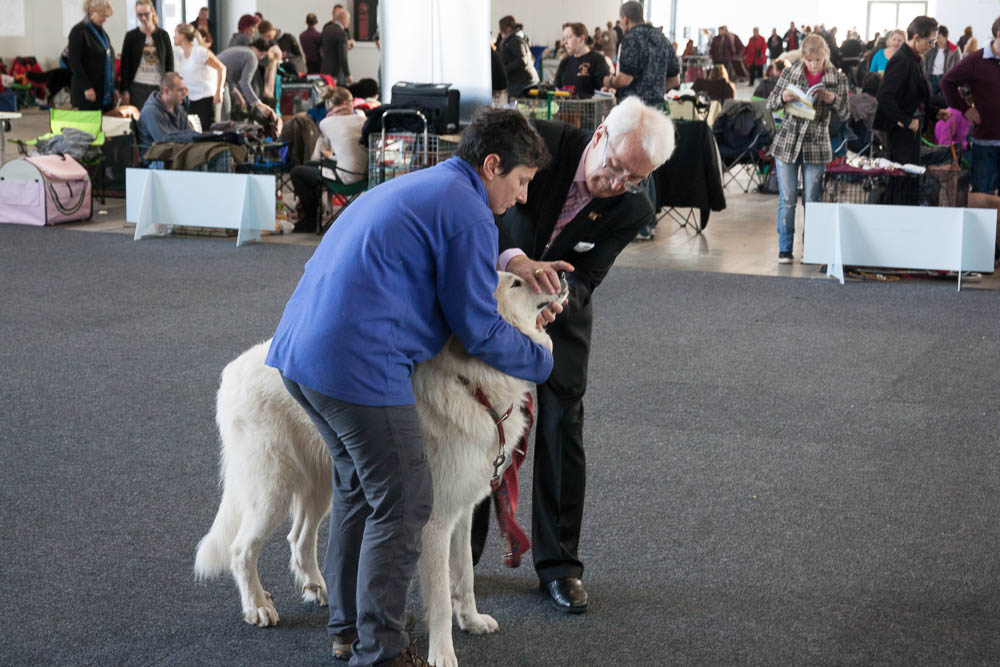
(341, 130)
(163, 112)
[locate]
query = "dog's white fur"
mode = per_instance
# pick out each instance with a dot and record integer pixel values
(274, 463)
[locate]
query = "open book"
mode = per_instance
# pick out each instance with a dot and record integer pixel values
(802, 105)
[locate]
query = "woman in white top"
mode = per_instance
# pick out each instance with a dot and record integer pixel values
(195, 63)
(341, 141)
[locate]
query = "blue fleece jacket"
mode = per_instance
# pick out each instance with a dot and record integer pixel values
(408, 263)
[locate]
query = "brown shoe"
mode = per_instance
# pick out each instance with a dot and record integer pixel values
(342, 644)
(409, 658)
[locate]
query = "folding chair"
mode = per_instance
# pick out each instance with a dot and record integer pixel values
(347, 191)
(742, 131)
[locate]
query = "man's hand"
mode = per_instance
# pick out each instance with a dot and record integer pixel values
(973, 115)
(90, 95)
(126, 98)
(914, 126)
(548, 315)
(539, 275)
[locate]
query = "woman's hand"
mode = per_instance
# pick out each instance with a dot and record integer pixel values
(126, 97)
(90, 95)
(943, 114)
(787, 96)
(826, 96)
(914, 126)
(217, 98)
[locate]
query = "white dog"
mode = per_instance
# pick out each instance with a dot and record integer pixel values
(274, 463)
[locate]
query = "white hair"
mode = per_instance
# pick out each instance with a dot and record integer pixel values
(654, 127)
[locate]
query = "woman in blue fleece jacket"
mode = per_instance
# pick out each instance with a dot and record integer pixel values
(409, 263)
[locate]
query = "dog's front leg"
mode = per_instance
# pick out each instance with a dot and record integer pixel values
(462, 587)
(434, 586)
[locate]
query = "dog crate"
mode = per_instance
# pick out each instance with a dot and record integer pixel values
(392, 154)
(585, 114)
(935, 187)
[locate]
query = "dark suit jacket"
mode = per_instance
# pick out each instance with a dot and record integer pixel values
(86, 61)
(904, 88)
(609, 224)
(333, 53)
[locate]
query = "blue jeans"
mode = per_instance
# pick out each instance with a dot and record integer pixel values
(985, 165)
(788, 194)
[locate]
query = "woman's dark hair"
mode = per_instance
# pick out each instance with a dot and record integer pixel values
(922, 26)
(311, 19)
(871, 83)
(508, 134)
(578, 29)
(261, 44)
(508, 23)
(995, 29)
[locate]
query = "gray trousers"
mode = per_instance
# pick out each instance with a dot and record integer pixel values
(382, 498)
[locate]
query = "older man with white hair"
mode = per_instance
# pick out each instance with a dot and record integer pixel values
(582, 209)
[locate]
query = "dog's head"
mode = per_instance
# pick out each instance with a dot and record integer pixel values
(518, 303)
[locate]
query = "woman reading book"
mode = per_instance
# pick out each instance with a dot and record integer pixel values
(808, 91)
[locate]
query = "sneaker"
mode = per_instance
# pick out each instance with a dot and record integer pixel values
(342, 644)
(785, 258)
(409, 658)
(645, 235)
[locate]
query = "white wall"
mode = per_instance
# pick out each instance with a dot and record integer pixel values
(980, 14)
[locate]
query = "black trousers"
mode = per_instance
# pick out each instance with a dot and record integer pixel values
(904, 145)
(306, 180)
(560, 464)
(204, 109)
(756, 72)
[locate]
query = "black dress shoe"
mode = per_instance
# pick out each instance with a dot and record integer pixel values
(568, 594)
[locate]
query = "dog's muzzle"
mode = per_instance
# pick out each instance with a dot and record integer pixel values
(563, 292)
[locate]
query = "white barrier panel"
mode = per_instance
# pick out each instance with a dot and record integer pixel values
(244, 202)
(908, 237)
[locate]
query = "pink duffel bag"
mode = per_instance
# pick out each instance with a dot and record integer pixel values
(44, 190)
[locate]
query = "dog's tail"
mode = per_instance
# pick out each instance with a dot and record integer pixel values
(213, 554)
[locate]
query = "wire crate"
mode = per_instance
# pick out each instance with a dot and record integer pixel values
(936, 187)
(584, 114)
(392, 154)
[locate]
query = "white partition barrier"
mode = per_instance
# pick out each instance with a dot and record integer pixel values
(909, 237)
(244, 202)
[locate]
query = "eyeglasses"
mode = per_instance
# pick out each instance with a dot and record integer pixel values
(140, 15)
(629, 182)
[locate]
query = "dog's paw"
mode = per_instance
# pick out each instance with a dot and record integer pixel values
(478, 624)
(315, 592)
(261, 616)
(440, 656)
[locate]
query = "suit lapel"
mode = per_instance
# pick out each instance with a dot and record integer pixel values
(584, 227)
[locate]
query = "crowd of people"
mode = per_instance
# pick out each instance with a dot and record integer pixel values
(517, 193)
(216, 81)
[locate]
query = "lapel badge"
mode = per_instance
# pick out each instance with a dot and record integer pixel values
(593, 216)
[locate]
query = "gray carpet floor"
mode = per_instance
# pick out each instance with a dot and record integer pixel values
(781, 471)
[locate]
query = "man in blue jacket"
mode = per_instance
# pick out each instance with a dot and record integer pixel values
(411, 262)
(163, 112)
